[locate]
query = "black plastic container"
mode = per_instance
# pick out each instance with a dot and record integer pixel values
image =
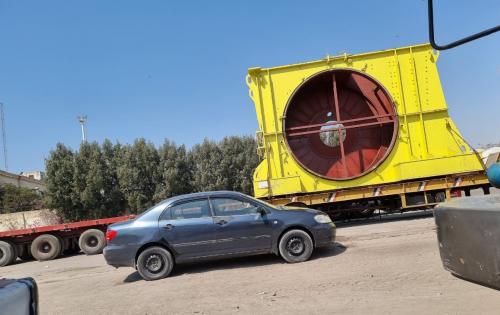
(468, 231)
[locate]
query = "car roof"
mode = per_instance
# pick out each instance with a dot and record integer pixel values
(204, 194)
(167, 202)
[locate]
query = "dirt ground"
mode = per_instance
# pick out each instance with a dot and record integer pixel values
(388, 267)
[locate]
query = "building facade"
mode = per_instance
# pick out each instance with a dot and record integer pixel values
(23, 180)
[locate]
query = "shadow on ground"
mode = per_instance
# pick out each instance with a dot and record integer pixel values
(30, 258)
(376, 219)
(495, 286)
(240, 262)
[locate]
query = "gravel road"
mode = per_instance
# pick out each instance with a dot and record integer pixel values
(388, 267)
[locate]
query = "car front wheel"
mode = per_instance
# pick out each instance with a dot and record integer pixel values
(155, 263)
(296, 246)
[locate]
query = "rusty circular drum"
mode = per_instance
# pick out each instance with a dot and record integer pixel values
(340, 124)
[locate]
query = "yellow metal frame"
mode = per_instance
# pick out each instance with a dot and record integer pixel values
(428, 143)
(447, 183)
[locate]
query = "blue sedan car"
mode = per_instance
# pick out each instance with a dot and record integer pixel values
(208, 225)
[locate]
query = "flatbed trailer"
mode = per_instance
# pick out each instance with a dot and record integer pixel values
(51, 241)
(394, 197)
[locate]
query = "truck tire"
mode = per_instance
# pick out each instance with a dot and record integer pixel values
(45, 247)
(15, 254)
(7, 253)
(64, 244)
(72, 248)
(92, 241)
(154, 263)
(295, 246)
(25, 253)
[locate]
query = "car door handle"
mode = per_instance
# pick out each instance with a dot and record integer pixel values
(168, 226)
(221, 222)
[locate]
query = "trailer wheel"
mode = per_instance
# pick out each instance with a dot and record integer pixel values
(72, 248)
(25, 253)
(46, 247)
(7, 252)
(15, 252)
(92, 242)
(64, 244)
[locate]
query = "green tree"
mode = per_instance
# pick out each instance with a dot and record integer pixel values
(80, 196)
(60, 182)
(238, 163)
(110, 179)
(92, 196)
(205, 159)
(15, 199)
(138, 174)
(114, 199)
(174, 170)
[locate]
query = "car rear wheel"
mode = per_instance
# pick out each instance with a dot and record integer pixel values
(154, 263)
(92, 242)
(296, 246)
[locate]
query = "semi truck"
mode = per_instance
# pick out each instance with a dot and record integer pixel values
(353, 133)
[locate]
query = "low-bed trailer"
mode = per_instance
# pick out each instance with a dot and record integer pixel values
(51, 241)
(394, 197)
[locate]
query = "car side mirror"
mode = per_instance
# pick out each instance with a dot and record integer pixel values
(262, 211)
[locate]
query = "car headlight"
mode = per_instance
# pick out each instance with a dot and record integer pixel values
(322, 218)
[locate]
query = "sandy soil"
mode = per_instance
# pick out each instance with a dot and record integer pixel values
(389, 267)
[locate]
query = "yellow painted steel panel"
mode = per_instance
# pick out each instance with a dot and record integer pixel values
(287, 185)
(427, 142)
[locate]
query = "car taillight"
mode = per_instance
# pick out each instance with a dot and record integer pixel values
(110, 234)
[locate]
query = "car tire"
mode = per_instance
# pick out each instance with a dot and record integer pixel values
(92, 242)
(45, 247)
(154, 263)
(7, 253)
(295, 246)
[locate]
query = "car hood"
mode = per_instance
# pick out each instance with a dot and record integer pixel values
(300, 209)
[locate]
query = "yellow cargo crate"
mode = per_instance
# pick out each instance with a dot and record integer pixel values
(354, 121)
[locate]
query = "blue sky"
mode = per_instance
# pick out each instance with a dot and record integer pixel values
(164, 69)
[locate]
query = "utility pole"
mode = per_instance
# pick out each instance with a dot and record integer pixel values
(4, 138)
(82, 120)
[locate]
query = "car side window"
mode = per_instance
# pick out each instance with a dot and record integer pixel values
(229, 206)
(190, 210)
